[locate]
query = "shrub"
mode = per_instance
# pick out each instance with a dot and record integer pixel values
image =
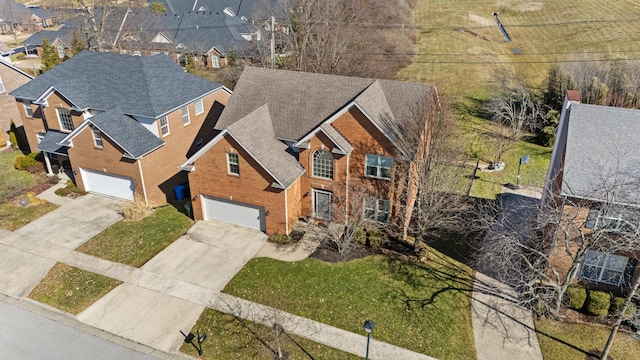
(281, 239)
(575, 296)
(3, 142)
(22, 162)
(598, 303)
(374, 239)
(37, 156)
(71, 188)
(135, 210)
(616, 307)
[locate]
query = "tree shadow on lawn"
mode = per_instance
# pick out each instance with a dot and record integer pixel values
(441, 277)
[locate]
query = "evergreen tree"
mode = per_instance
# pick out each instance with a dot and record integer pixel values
(49, 56)
(157, 7)
(77, 44)
(190, 64)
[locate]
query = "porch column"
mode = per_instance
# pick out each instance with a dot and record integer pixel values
(48, 163)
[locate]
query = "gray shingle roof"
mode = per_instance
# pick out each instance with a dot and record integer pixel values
(255, 133)
(299, 102)
(337, 137)
(239, 7)
(144, 86)
(49, 143)
(129, 134)
(602, 153)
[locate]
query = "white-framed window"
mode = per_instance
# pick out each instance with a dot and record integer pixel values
(614, 218)
(378, 166)
(603, 267)
(39, 136)
(64, 116)
(185, 115)
(97, 138)
(233, 164)
(27, 108)
(322, 204)
(164, 125)
(376, 209)
(61, 53)
(215, 61)
(322, 164)
(2, 89)
(199, 106)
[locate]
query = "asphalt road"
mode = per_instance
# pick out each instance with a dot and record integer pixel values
(26, 335)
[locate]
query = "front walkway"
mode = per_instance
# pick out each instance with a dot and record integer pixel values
(313, 236)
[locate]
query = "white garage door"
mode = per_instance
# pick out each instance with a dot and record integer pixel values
(232, 212)
(108, 184)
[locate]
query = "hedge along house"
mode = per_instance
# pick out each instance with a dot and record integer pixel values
(293, 143)
(119, 124)
(593, 187)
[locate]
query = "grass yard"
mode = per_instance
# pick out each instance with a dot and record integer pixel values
(584, 337)
(13, 217)
(136, 242)
(419, 307)
(71, 289)
(13, 181)
(231, 338)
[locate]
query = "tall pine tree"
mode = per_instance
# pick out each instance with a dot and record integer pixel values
(77, 44)
(49, 56)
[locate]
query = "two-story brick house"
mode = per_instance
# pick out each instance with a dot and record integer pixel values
(120, 124)
(593, 192)
(291, 143)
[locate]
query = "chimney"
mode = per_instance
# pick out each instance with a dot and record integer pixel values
(573, 96)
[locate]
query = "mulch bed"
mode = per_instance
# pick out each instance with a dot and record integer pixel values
(328, 252)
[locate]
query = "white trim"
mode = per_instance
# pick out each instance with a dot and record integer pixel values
(313, 164)
(42, 99)
(305, 141)
(286, 212)
(27, 106)
(379, 167)
(166, 119)
(183, 115)
(346, 196)
(195, 106)
(144, 187)
(236, 164)
(97, 137)
(315, 191)
(62, 127)
(2, 87)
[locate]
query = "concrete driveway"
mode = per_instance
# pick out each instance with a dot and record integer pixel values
(74, 223)
(208, 256)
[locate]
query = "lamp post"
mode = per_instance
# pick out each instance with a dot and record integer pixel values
(368, 327)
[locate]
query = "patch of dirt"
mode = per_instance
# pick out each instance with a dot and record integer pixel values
(467, 31)
(296, 235)
(573, 316)
(328, 252)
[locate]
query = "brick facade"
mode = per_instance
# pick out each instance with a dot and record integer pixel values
(11, 80)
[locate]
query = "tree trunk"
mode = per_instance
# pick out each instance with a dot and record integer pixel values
(612, 336)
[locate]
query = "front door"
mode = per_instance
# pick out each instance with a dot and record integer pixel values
(322, 204)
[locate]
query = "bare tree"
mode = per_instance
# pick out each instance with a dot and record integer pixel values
(14, 15)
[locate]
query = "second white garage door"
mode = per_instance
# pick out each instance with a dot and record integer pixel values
(107, 184)
(232, 212)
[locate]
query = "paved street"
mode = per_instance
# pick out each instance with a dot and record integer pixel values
(25, 335)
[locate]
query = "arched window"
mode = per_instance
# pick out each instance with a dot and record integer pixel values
(323, 164)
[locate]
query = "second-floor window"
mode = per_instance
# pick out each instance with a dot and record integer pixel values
(199, 106)
(234, 164)
(323, 164)
(27, 108)
(97, 138)
(614, 218)
(1, 86)
(185, 115)
(164, 125)
(378, 166)
(66, 122)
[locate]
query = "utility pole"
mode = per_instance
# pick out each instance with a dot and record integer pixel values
(273, 43)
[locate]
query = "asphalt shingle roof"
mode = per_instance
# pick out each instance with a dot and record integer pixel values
(255, 133)
(49, 143)
(239, 7)
(602, 152)
(299, 102)
(144, 86)
(129, 134)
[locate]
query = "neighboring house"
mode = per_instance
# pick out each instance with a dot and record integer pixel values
(11, 78)
(242, 8)
(27, 18)
(209, 36)
(41, 17)
(120, 124)
(594, 167)
(293, 143)
(5, 53)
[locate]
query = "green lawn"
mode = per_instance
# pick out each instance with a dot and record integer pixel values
(417, 307)
(71, 289)
(13, 217)
(565, 338)
(136, 242)
(232, 338)
(12, 181)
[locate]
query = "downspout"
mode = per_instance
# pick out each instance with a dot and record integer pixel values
(346, 196)
(286, 211)
(144, 188)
